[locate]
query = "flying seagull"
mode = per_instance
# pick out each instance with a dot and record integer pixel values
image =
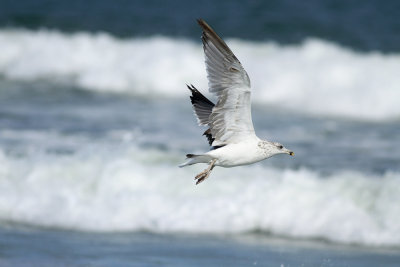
(230, 130)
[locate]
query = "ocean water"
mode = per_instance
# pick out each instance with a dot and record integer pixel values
(95, 118)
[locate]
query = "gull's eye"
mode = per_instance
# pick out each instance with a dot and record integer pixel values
(280, 146)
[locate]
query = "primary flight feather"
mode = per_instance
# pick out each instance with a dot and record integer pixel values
(230, 130)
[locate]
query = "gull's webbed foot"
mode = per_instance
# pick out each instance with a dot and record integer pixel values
(204, 174)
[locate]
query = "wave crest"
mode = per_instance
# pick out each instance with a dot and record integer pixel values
(316, 77)
(137, 189)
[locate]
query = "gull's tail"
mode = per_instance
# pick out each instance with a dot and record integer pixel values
(193, 159)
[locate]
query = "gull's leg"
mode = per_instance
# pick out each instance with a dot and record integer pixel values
(204, 174)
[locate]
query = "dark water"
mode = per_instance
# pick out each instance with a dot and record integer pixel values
(362, 25)
(55, 248)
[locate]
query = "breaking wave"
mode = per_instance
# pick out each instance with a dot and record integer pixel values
(128, 188)
(315, 77)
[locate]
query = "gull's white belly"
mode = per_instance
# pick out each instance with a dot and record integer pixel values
(237, 154)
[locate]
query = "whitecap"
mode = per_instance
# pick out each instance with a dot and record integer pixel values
(315, 77)
(126, 188)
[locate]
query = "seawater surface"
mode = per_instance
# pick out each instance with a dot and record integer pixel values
(48, 247)
(93, 125)
(75, 159)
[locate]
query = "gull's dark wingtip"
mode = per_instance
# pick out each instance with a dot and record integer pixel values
(209, 35)
(204, 25)
(191, 88)
(200, 21)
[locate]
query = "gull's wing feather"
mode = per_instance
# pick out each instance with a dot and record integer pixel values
(202, 108)
(230, 120)
(201, 105)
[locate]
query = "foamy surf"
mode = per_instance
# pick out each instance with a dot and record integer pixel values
(315, 77)
(125, 188)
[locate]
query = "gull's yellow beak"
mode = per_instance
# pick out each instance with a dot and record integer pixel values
(291, 153)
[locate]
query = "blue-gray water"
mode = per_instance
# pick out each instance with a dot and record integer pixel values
(64, 248)
(366, 25)
(95, 118)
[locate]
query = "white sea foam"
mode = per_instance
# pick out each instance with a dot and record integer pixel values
(316, 76)
(127, 189)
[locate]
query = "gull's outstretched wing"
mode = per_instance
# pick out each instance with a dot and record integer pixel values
(230, 120)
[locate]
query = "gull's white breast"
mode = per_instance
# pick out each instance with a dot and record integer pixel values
(242, 153)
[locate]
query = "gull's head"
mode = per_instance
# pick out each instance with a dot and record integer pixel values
(272, 148)
(280, 149)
